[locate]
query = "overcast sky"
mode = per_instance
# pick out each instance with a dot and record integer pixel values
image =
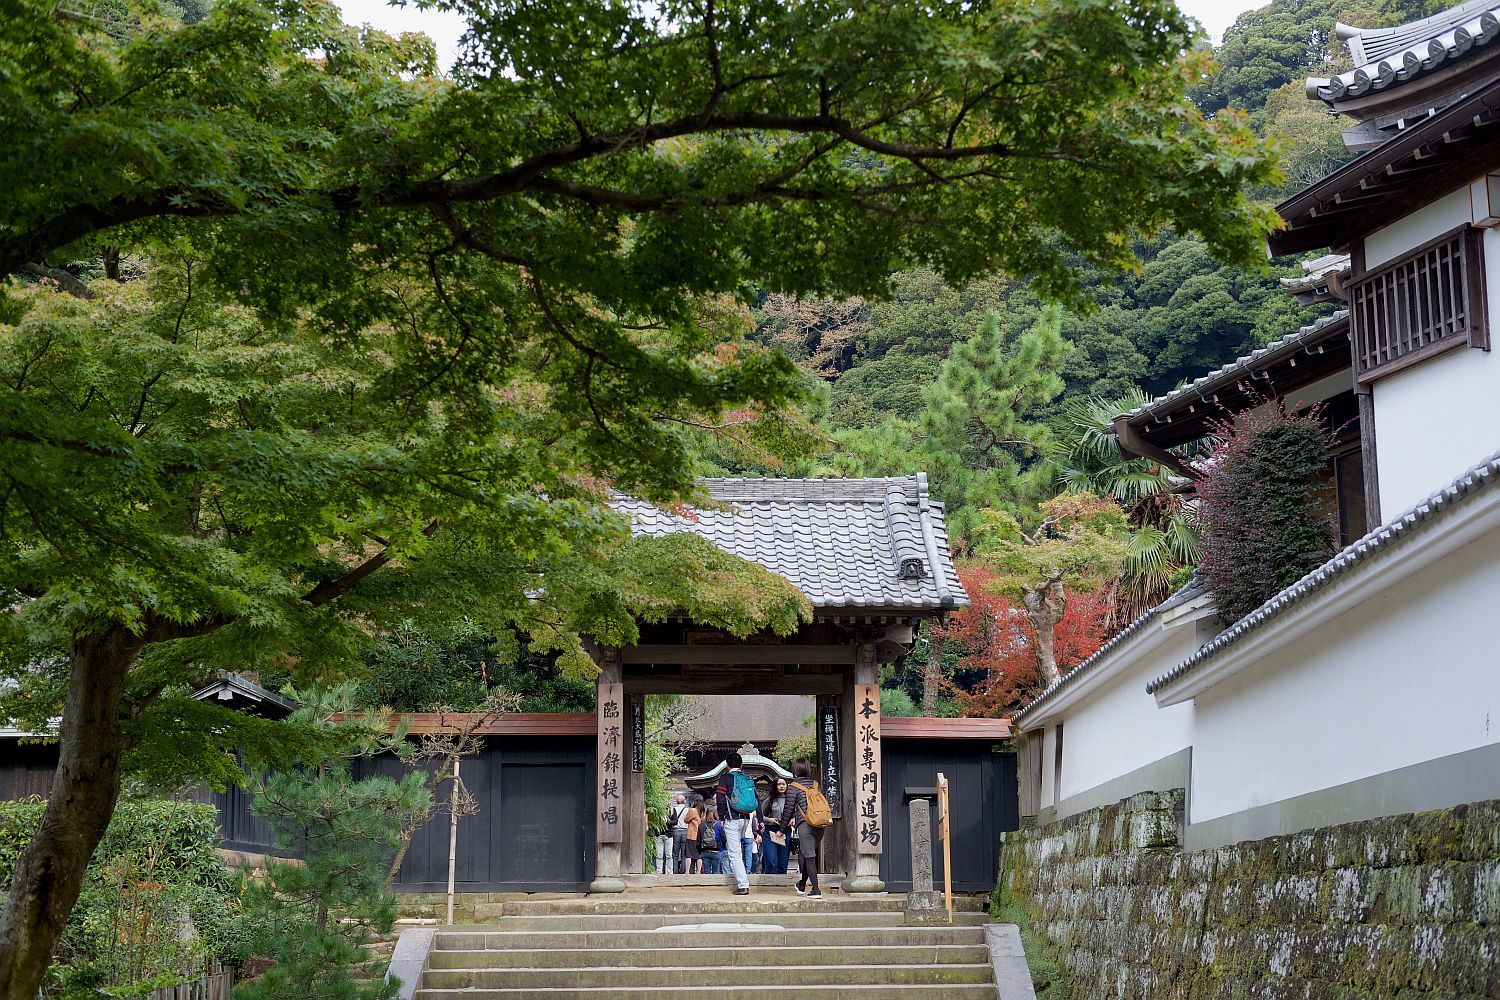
(444, 28)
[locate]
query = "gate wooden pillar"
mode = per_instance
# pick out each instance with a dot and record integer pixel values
(863, 827)
(634, 809)
(610, 777)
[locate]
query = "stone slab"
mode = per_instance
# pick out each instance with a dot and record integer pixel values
(1008, 959)
(409, 958)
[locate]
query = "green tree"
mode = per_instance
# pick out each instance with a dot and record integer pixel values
(1163, 539)
(406, 333)
(1079, 543)
(982, 436)
(312, 916)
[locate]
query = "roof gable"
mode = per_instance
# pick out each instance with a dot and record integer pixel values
(863, 545)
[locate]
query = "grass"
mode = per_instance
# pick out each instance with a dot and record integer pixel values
(1043, 969)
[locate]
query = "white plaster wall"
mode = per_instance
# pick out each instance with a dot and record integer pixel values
(1437, 418)
(1049, 758)
(1119, 728)
(1412, 675)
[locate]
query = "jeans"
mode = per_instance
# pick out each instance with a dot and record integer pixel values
(776, 856)
(679, 848)
(747, 845)
(711, 860)
(734, 835)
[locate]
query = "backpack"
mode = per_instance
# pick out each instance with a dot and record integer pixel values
(707, 839)
(818, 814)
(742, 797)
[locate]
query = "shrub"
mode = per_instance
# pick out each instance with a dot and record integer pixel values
(156, 901)
(1259, 508)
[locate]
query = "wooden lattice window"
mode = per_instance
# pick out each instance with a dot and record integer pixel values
(1427, 302)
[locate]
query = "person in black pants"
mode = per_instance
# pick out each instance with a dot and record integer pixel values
(809, 837)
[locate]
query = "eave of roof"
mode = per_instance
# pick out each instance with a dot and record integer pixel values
(1189, 591)
(1390, 57)
(1417, 165)
(232, 686)
(1476, 481)
(1204, 389)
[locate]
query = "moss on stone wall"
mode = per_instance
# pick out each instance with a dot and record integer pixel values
(1401, 907)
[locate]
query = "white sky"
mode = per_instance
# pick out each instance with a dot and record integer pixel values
(444, 28)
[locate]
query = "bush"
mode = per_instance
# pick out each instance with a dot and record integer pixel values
(157, 899)
(1259, 508)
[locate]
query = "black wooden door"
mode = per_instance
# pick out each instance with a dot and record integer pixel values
(539, 839)
(982, 803)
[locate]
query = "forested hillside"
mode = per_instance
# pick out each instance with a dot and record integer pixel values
(1002, 396)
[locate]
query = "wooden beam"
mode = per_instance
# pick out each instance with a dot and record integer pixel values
(738, 655)
(1133, 445)
(735, 684)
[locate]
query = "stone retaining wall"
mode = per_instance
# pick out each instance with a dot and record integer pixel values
(1398, 908)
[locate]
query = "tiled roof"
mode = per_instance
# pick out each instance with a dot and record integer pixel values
(859, 544)
(1315, 273)
(1477, 479)
(1193, 588)
(1241, 367)
(1384, 57)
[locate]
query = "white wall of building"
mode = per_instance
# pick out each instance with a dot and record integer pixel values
(1118, 727)
(1439, 417)
(1408, 676)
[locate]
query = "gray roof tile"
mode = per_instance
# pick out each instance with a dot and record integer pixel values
(1386, 57)
(842, 542)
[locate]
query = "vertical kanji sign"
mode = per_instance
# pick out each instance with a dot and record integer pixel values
(828, 756)
(638, 734)
(610, 818)
(867, 767)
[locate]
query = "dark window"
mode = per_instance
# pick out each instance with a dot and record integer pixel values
(1349, 487)
(1427, 302)
(1057, 767)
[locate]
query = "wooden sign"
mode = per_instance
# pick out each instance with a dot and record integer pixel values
(611, 777)
(947, 842)
(828, 756)
(638, 734)
(867, 768)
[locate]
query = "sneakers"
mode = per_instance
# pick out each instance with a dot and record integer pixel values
(800, 888)
(742, 890)
(815, 895)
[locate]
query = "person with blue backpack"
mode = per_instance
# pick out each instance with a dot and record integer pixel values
(736, 801)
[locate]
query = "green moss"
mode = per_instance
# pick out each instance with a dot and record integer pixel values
(1051, 982)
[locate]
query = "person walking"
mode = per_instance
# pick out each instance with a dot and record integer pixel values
(710, 842)
(735, 800)
(677, 827)
(773, 835)
(794, 816)
(694, 820)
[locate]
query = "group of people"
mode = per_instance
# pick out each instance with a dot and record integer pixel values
(717, 834)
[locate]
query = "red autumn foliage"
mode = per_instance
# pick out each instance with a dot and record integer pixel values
(994, 635)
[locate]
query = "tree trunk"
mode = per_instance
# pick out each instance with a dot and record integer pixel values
(1045, 603)
(932, 680)
(50, 871)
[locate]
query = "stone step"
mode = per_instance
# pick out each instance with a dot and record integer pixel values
(711, 977)
(650, 921)
(649, 881)
(690, 902)
(697, 957)
(687, 937)
(817, 991)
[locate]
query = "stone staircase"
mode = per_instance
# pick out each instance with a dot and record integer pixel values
(752, 948)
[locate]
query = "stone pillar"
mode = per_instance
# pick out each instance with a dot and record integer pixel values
(924, 905)
(864, 821)
(609, 779)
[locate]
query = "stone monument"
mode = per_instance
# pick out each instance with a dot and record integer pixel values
(924, 905)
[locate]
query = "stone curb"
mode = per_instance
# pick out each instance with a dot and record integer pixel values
(1008, 959)
(410, 958)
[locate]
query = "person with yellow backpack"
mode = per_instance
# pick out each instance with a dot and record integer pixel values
(806, 811)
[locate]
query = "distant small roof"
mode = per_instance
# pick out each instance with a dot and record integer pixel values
(1316, 283)
(858, 546)
(243, 694)
(751, 758)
